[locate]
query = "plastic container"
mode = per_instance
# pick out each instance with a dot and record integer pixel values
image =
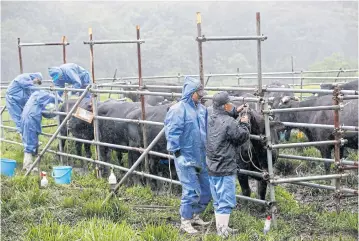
(112, 180)
(267, 225)
(8, 167)
(62, 174)
(44, 182)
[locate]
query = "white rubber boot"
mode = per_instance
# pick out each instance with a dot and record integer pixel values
(186, 226)
(28, 162)
(198, 221)
(223, 230)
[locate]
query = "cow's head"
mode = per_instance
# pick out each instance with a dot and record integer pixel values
(285, 103)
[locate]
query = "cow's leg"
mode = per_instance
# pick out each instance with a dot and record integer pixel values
(154, 184)
(104, 152)
(132, 158)
(119, 157)
(342, 152)
(78, 146)
(287, 134)
(262, 189)
(88, 155)
(326, 153)
(243, 181)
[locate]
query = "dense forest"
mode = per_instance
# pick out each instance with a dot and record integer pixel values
(316, 31)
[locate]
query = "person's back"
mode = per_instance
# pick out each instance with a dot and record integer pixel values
(224, 136)
(18, 93)
(71, 74)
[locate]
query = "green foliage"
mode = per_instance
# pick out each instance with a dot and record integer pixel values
(140, 194)
(88, 230)
(286, 202)
(69, 202)
(335, 61)
(160, 233)
(343, 221)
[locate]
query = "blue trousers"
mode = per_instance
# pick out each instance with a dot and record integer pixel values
(223, 191)
(15, 109)
(196, 192)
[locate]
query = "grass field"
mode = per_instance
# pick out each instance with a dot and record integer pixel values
(74, 212)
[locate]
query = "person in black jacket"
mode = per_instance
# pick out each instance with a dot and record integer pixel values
(225, 134)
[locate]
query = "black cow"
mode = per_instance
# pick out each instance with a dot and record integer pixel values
(115, 132)
(348, 117)
(253, 154)
(352, 85)
(77, 127)
(158, 165)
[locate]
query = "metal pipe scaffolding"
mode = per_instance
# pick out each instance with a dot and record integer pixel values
(305, 158)
(230, 38)
(92, 42)
(316, 108)
(232, 75)
(321, 186)
(309, 178)
(307, 125)
(58, 129)
(63, 43)
(142, 99)
(304, 144)
(313, 91)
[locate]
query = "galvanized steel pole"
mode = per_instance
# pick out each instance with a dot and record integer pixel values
(270, 161)
(200, 54)
(94, 103)
(142, 99)
(58, 124)
(64, 49)
(337, 136)
(20, 55)
(259, 54)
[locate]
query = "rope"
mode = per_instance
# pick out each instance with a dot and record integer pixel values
(250, 154)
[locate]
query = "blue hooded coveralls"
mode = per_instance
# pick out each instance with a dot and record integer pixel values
(186, 129)
(72, 74)
(31, 118)
(18, 93)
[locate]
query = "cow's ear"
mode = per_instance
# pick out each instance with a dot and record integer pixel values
(285, 99)
(277, 125)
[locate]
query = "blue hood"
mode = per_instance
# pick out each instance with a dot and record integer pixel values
(190, 86)
(55, 73)
(37, 75)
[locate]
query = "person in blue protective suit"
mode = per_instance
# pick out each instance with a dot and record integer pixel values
(185, 130)
(71, 74)
(31, 122)
(225, 135)
(18, 93)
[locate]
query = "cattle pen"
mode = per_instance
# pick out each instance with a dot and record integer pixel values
(263, 102)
